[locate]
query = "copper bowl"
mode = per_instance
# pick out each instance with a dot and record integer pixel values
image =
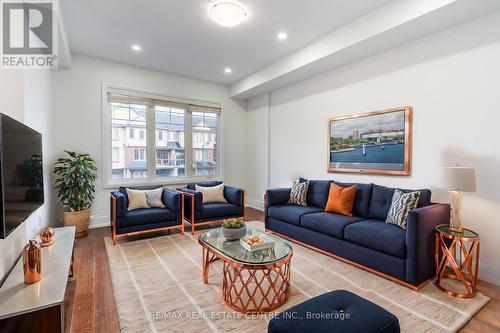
(46, 236)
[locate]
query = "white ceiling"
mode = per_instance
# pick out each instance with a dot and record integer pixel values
(177, 36)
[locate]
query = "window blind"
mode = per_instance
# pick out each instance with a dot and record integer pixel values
(118, 95)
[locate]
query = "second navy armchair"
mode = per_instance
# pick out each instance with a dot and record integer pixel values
(197, 213)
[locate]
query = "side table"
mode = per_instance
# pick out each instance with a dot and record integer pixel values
(464, 268)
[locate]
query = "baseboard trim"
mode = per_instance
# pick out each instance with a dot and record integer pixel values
(489, 272)
(99, 221)
(255, 204)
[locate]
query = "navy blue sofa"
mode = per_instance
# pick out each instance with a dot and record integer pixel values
(209, 213)
(364, 240)
(127, 223)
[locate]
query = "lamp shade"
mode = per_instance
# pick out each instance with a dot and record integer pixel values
(458, 179)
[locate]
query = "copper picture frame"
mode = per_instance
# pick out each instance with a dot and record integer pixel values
(376, 142)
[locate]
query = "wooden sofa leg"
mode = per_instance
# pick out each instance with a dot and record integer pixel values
(114, 239)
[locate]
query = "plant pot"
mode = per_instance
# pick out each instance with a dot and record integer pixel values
(234, 234)
(78, 219)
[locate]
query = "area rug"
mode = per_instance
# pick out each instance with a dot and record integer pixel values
(157, 287)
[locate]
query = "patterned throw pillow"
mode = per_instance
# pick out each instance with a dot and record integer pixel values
(401, 205)
(298, 194)
(153, 198)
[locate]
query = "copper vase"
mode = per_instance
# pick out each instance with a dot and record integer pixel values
(32, 262)
(46, 236)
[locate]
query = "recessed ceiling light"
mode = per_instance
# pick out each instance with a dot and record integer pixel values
(136, 47)
(227, 70)
(282, 36)
(227, 13)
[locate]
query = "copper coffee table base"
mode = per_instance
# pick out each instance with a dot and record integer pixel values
(251, 288)
(463, 272)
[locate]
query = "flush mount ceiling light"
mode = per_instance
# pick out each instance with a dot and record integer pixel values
(227, 13)
(227, 70)
(136, 47)
(282, 36)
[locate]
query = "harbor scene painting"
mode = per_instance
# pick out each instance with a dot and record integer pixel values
(373, 142)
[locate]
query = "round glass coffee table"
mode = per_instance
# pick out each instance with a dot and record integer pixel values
(252, 281)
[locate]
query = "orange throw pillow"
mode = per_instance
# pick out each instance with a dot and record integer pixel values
(341, 199)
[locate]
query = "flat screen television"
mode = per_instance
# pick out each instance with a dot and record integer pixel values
(21, 173)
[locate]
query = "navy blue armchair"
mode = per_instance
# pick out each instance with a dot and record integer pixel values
(197, 213)
(127, 223)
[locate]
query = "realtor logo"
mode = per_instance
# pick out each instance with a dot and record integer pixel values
(28, 35)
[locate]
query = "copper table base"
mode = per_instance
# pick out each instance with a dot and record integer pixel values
(249, 288)
(447, 266)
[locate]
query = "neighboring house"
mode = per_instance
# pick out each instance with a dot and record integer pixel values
(129, 141)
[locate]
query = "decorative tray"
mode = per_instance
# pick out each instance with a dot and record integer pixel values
(256, 243)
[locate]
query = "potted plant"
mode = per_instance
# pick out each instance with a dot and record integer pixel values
(234, 229)
(75, 176)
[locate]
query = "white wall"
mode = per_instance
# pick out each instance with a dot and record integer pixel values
(258, 150)
(37, 115)
(24, 96)
(451, 79)
(76, 114)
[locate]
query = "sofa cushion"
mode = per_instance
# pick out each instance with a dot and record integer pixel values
(378, 235)
(147, 216)
(327, 313)
(220, 210)
(328, 223)
(361, 205)
(317, 194)
(123, 191)
(291, 213)
(381, 200)
(425, 197)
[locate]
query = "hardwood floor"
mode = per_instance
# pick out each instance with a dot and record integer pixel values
(91, 307)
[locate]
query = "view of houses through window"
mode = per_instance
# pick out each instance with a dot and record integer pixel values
(170, 161)
(204, 143)
(129, 153)
(129, 144)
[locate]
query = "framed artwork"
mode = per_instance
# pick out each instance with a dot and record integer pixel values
(374, 142)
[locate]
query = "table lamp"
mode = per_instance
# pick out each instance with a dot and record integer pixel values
(457, 180)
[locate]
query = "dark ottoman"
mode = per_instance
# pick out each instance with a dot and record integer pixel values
(336, 311)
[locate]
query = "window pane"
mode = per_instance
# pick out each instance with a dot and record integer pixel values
(204, 144)
(170, 154)
(129, 158)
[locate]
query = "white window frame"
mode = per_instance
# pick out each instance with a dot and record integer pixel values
(117, 151)
(151, 178)
(139, 151)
